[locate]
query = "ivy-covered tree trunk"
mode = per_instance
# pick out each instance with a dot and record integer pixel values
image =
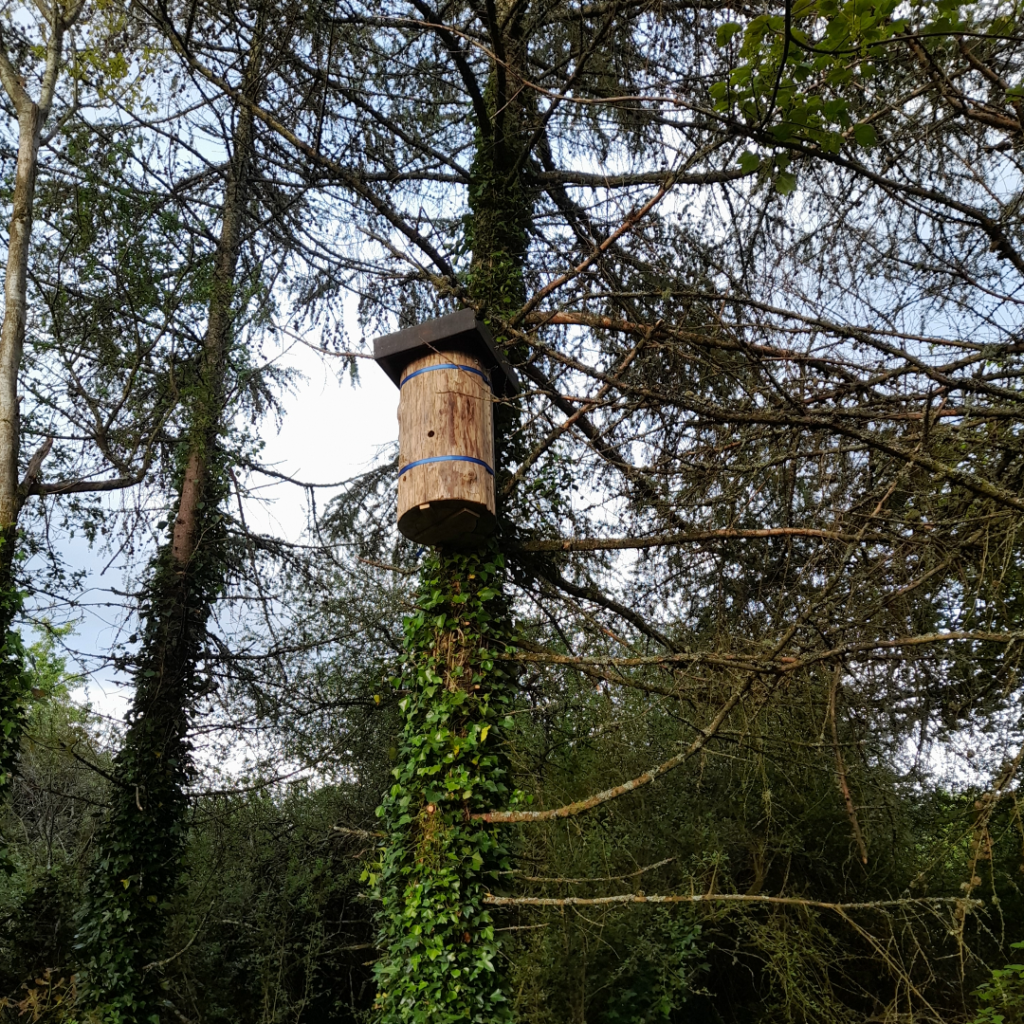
(140, 846)
(439, 962)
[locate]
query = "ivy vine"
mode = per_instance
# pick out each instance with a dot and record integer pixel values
(140, 846)
(437, 862)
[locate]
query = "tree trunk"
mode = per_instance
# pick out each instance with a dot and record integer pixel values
(438, 862)
(12, 334)
(141, 843)
(13, 685)
(31, 118)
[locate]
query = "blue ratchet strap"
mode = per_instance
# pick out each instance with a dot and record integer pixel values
(446, 366)
(445, 458)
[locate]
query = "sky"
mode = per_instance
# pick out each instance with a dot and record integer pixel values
(331, 431)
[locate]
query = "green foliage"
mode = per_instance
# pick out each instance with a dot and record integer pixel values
(657, 973)
(634, 965)
(438, 862)
(273, 909)
(15, 681)
(1002, 995)
(49, 825)
(801, 74)
(762, 817)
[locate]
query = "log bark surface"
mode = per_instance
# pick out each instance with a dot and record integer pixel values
(444, 413)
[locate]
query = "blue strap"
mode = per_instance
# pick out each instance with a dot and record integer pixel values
(445, 458)
(446, 366)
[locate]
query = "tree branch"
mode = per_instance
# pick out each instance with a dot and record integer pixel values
(579, 806)
(726, 897)
(696, 537)
(595, 180)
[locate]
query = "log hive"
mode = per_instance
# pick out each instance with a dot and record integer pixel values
(448, 372)
(446, 450)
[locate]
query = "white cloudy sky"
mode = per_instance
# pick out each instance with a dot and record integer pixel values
(332, 430)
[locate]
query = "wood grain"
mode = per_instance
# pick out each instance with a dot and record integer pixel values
(445, 412)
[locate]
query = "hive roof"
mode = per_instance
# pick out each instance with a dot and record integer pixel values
(459, 332)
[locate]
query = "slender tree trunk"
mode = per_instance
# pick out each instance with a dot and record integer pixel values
(13, 684)
(141, 844)
(440, 963)
(31, 118)
(12, 334)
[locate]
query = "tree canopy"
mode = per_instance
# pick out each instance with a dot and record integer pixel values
(724, 722)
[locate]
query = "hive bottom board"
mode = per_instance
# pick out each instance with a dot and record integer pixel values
(454, 523)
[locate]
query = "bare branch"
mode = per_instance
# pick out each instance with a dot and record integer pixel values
(696, 537)
(729, 897)
(579, 806)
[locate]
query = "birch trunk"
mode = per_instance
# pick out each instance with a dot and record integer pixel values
(31, 118)
(12, 334)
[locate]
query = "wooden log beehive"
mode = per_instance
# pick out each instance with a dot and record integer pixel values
(446, 450)
(448, 373)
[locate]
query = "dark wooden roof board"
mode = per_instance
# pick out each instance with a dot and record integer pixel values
(460, 332)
